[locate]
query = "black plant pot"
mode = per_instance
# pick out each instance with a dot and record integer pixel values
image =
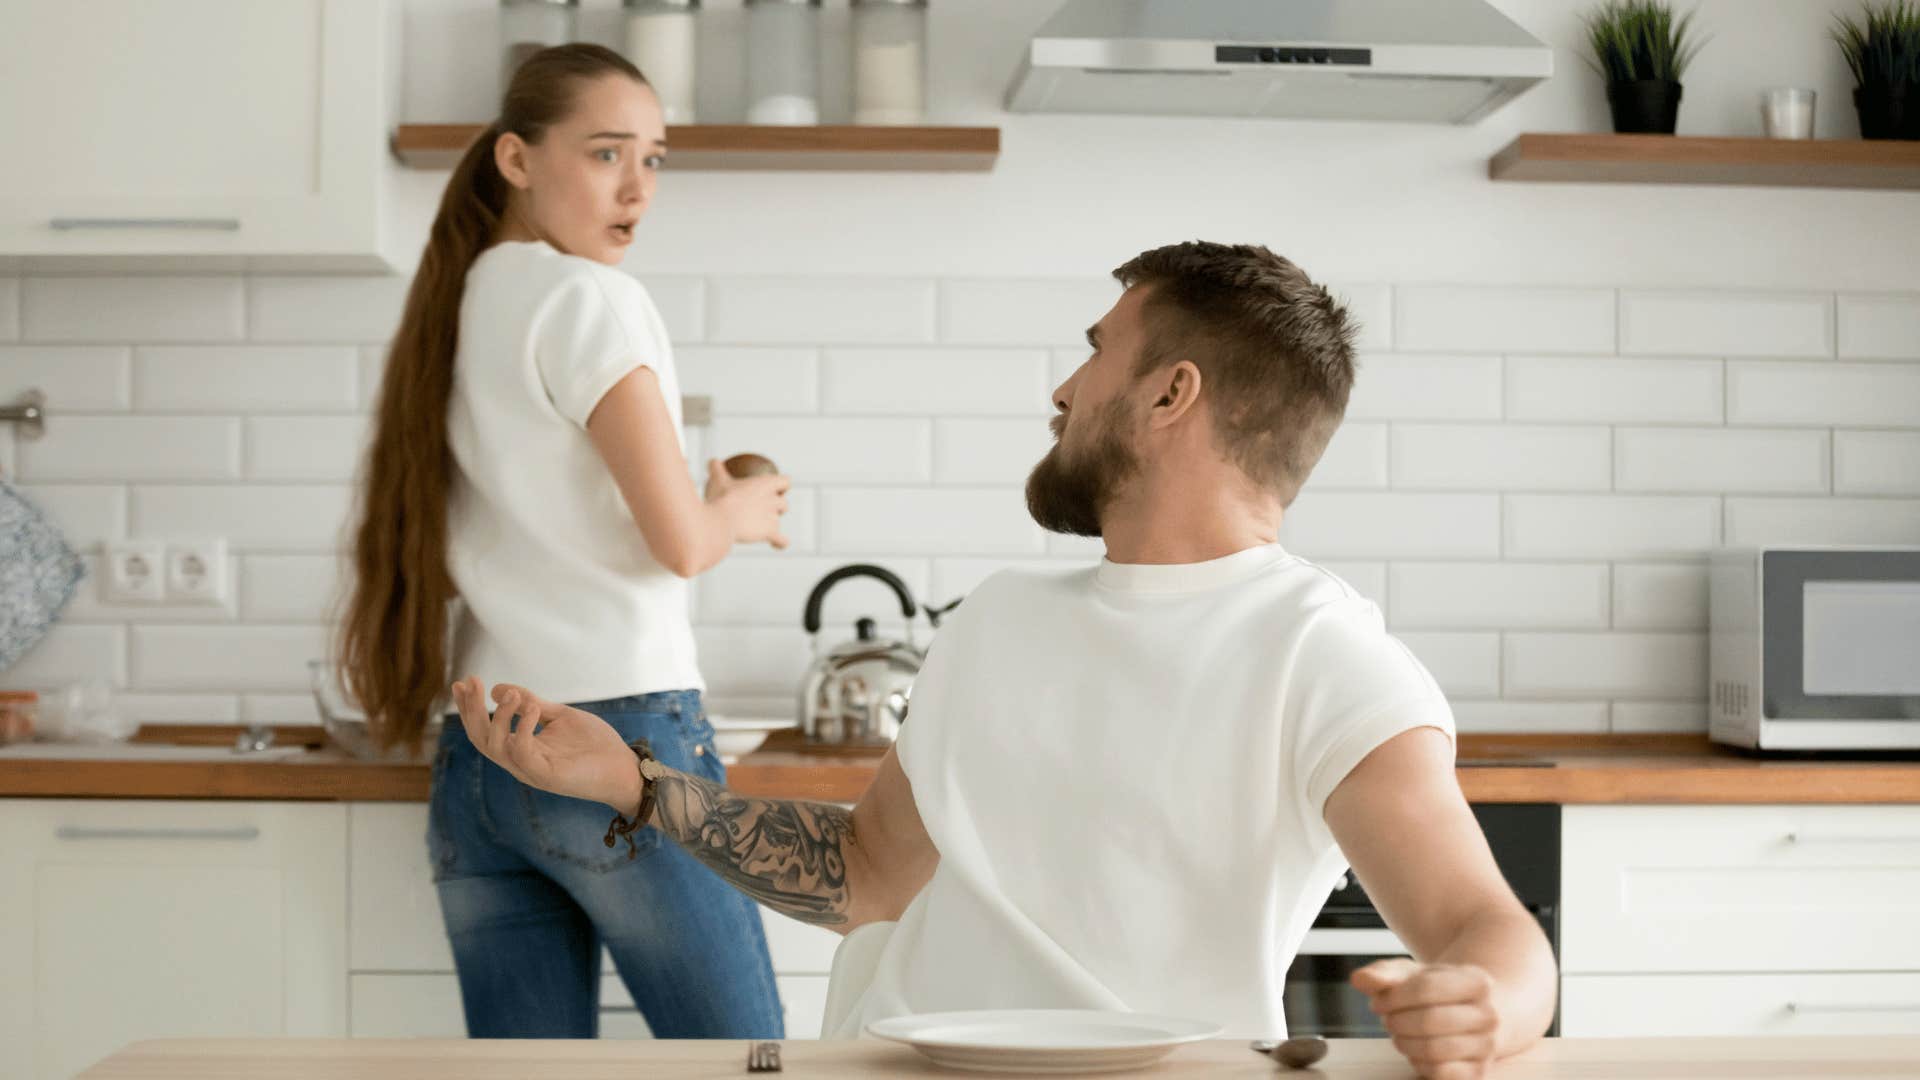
(1645, 107)
(1888, 110)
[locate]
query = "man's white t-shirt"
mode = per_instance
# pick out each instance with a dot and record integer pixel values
(1124, 769)
(561, 592)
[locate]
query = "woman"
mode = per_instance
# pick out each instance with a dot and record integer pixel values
(528, 457)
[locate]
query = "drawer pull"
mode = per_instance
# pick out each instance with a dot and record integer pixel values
(84, 832)
(1848, 1007)
(1849, 838)
(66, 224)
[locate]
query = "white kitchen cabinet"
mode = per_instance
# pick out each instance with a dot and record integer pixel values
(222, 133)
(130, 920)
(1754, 907)
(398, 936)
(1611, 1006)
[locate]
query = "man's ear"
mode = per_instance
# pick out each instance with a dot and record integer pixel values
(1177, 389)
(510, 157)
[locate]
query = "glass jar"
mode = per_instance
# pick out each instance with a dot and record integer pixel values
(889, 61)
(526, 27)
(783, 61)
(663, 41)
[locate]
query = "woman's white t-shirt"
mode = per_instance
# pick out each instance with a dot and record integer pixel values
(1124, 770)
(561, 593)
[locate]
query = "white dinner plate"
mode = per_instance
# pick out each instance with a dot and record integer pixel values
(1043, 1040)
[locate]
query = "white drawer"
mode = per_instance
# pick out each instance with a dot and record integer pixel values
(1616, 1006)
(1691, 889)
(396, 922)
(428, 1007)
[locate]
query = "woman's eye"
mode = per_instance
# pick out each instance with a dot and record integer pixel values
(654, 161)
(608, 154)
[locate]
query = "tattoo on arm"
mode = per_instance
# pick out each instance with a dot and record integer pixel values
(788, 855)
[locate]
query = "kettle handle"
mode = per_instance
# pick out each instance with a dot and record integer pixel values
(811, 620)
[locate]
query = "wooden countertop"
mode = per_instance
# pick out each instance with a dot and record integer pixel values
(1494, 769)
(1801, 1058)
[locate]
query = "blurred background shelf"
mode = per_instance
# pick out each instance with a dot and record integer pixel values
(1690, 159)
(745, 146)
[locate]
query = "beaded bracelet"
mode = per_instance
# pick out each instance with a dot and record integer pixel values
(622, 827)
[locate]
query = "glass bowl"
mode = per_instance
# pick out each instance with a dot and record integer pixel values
(346, 725)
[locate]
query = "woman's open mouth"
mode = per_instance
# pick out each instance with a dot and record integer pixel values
(624, 233)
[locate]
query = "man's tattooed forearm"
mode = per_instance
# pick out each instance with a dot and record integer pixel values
(790, 856)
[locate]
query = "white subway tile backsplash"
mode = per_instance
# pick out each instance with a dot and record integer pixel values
(1443, 318)
(1370, 307)
(1880, 326)
(88, 515)
(1355, 459)
(1720, 459)
(837, 450)
(133, 448)
(1498, 595)
(820, 310)
(1462, 663)
(753, 661)
(1666, 717)
(72, 653)
(279, 710)
(1475, 457)
(292, 517)
(750, 380)
(370, 363)
(773, 590)
(1876, 462)
(1425, 388)
(179, 708)
(9, 308)
(1756, 521)
(1660, 596)
(1610, 526)
(682, 303)
(1861, 395)
(75, 378)
(801, 524)
(132, 309)
(947, 382)
(249, 378)
(1726, 324)
(1392, 525)
(1572, 665)
(1538, 717)
(942, 521)
(289, 588)
(1034, 311)
(997, 452)
(1618, 389)
(305, 447)
(334, 308)
(224, 657)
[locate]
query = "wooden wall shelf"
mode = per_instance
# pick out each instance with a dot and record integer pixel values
(1690, 159)
(743, 146)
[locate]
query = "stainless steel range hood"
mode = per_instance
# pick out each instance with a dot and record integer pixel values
(1424, 61)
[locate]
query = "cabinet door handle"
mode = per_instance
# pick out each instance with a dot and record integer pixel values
(221, 224)
(1850, 838)
(1853, 1007)
(1352, 942)
(87, 832)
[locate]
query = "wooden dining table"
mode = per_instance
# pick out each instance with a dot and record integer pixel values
(1769, 1058)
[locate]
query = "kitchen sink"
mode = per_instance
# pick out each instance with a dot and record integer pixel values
(59, 751)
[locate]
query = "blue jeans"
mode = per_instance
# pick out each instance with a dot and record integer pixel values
(530, 892)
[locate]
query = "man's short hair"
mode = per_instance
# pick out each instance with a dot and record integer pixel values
(1275, 351)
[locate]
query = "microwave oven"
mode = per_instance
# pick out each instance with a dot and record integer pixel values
(1814, 648)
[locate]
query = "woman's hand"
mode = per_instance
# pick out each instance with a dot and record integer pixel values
(751, 506)
(1441, 1016)
(554, 747)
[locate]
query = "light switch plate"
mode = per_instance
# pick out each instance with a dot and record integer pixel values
(135, 572)
(197, 571)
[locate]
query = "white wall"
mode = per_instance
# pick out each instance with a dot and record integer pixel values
(1568, 392)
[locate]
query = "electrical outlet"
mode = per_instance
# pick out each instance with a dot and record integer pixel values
(135, 572)
(197, 571)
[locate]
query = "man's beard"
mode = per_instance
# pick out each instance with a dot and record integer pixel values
(1066, 493)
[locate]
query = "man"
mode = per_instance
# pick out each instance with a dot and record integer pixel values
(1132, 786)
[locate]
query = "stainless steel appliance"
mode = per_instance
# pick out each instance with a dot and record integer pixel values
(1349, 933)
(1815, 648)
(855, 693)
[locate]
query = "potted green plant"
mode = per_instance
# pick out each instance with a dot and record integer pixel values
(1884, 54)
(1641, 49)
